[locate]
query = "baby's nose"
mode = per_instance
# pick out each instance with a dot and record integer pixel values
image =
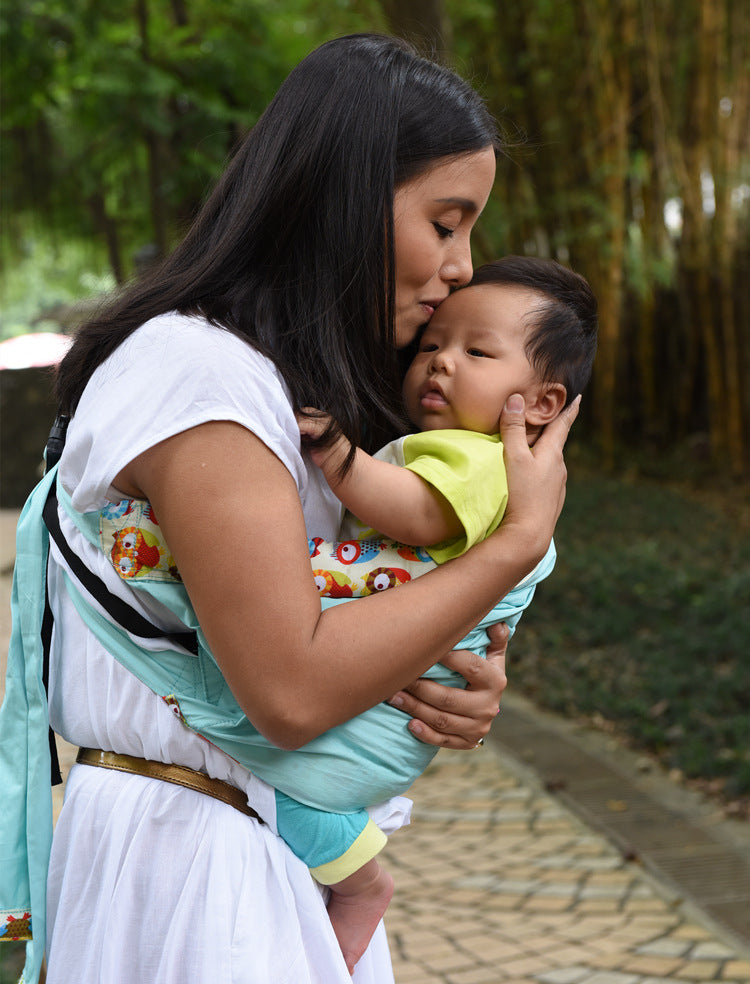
(441, 361)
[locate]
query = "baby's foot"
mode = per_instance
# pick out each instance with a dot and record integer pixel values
(355, 917)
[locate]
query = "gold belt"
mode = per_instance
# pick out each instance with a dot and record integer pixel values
(180, 775)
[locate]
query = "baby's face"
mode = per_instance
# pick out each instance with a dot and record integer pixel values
(471, 358)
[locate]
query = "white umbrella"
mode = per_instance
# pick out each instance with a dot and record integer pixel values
(39, 348)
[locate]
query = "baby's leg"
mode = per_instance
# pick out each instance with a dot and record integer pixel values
(356, 906)
(340, 850)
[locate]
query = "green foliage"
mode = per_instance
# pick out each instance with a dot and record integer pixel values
(644, 622)
(118, 117)
(48, 279)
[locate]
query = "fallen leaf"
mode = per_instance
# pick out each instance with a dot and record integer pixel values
(617, 806)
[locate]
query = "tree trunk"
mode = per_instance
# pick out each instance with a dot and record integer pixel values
(732, 127)
(153, 147)
(610, 33)
(107, 228)
(694, 169)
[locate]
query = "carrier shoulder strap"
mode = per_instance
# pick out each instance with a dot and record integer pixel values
(118, 610)
(46, 634)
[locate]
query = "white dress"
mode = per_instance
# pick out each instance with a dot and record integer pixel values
(150, 881)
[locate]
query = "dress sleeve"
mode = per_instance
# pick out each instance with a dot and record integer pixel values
(468, 469)
(173, 373)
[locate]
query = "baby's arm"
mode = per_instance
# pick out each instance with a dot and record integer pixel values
(392, 500)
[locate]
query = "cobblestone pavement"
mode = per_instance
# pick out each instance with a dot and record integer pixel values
(498, 883)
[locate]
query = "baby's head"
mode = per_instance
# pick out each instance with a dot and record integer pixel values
(523, 325)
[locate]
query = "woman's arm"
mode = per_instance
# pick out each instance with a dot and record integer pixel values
(379, 494)
(295, 671)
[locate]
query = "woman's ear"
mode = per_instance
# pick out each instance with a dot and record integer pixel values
(546, 404)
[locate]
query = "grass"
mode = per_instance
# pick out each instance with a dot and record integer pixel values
(644, 629)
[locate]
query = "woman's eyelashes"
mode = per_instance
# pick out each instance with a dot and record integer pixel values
(443, 231)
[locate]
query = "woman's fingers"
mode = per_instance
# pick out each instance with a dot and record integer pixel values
(498, 647)
(536, 476)
(553, 440)
(555, 434)
(513, 424)
(437, 715)
(430, 736)
(485, 678)
(456, 718)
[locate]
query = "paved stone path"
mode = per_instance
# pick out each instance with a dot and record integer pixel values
(498, 883)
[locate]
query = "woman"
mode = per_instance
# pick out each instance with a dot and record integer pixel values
(341, 224)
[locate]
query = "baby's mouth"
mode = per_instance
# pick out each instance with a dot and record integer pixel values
(432, 397)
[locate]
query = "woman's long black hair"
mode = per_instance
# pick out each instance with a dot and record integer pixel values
(293, 250)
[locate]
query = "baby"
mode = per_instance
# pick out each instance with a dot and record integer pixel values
(523, 325)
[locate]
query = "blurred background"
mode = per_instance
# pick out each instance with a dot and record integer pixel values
(627, 123)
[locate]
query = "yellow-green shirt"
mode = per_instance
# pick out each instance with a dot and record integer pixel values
(465, 467)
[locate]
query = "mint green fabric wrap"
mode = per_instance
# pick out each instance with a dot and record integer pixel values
(358, 763)
(26, 814)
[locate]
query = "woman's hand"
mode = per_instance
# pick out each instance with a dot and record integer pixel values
(536, 476)
(453, 718)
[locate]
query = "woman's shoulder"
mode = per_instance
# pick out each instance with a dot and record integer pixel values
(172, 373)
(185, 357)
(176, 338)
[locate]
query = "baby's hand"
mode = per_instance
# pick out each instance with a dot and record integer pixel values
(328, 457)
(314, 425)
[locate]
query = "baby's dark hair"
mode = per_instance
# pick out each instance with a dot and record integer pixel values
(562, 342)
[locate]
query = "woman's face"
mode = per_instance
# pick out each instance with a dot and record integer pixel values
(434, 214)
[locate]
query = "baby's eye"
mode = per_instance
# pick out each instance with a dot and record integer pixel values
(428, 347)
(443, 231)
(478, 353)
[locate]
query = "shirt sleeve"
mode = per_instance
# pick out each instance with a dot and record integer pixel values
(468, 469)
(173, 373)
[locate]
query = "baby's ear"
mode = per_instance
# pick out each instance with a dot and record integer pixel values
(546, 404)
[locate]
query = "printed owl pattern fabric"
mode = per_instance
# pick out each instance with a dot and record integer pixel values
(16, 928)
(360, 567)
(466, 468)
(129, 534)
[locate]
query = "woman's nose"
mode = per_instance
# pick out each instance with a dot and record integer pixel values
(457, 269)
